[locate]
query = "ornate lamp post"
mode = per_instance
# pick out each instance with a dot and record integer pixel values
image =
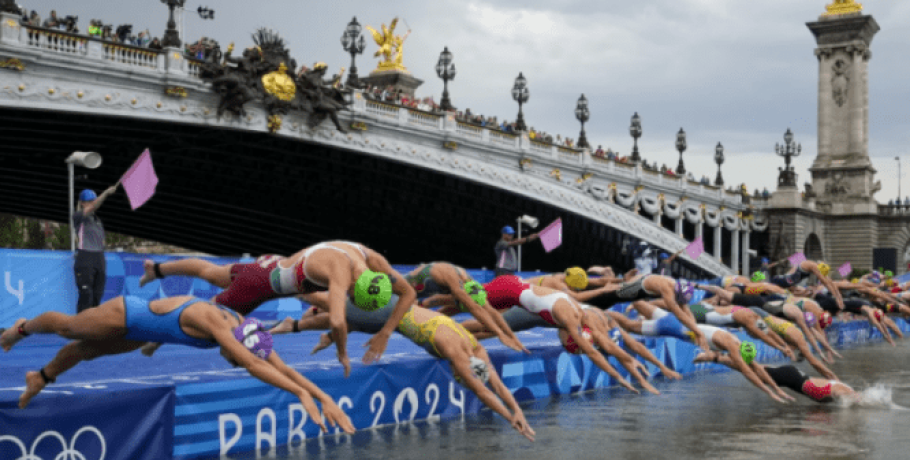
(681, 147)
(719, 159)
(445, 69)
(171, 36)
(521, 94)
(635, 131)
(582, 114)
(787, 177)
(353, 42)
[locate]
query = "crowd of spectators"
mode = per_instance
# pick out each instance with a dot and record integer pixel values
(97, 29)
(390, 95)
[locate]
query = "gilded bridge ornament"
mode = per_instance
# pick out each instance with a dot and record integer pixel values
(390, 47)
(842, 7)
(279, 84)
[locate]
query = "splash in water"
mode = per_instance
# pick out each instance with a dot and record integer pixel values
(878, 395)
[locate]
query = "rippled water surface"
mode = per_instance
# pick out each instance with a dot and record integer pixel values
(702, 417)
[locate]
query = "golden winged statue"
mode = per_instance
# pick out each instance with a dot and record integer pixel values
(390, 47)
(842, 7)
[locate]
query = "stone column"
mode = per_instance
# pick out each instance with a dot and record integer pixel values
(679, 223)
(825, 104)
(745, 261)
(734, 250)
(857, 97)
(717, 236)
(700, 228)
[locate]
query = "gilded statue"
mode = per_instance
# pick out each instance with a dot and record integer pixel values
(842, 7)
(391, 47)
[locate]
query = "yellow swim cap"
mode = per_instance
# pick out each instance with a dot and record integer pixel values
(854, 280)
(576, 278)
(824, 268)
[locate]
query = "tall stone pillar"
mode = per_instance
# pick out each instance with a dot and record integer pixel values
(842, 174)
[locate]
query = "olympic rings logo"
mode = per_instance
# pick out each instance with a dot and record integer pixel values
(68, 452)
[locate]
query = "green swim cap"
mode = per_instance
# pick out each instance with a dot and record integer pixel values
(747, 351)
(476, 291)
(372, 290)
(758, 277)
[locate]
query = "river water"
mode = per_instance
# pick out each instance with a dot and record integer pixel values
(708, 416)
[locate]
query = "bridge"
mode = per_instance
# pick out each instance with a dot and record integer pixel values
(415, 185)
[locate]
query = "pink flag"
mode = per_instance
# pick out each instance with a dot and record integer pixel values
(139, 181)
(695, 249)
(551, 237)
(797, 259)
(845, 269)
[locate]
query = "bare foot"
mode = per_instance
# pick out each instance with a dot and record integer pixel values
(285, 326)
(11, 335)
(325, 340)
(704, 357)
(149, 275)
(34, 383)
(150, 348)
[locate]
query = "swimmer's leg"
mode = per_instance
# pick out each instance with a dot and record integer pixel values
(68, 357)
(218, 275)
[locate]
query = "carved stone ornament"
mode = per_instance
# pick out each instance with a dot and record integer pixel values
(838, 186)
(840, 82)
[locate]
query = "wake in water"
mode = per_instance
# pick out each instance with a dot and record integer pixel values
(878, 395)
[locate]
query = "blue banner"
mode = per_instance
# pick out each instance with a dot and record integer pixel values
(137, 425)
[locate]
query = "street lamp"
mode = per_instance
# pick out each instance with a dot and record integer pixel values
(520, 94)
(530, 221)
(582, 114)
(635, 131)
(445, 69)
(171, 36)
(719, 159)
(90, 160)
(353, 42)
(681, 147)
(787, 177)
(898, 159)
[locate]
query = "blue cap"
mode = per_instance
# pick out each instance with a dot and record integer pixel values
(508, 230)
(764, 260)
(87, 195)
(664, 256)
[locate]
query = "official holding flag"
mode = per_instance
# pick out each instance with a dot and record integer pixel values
(506, 256)
(89, 266)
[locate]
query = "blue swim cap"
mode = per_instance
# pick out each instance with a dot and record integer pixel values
(508, 230)
(87, 195)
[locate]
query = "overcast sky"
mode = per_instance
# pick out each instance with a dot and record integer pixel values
(737, 72)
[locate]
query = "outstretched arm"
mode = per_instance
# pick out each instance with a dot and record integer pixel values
(406, 298)
(333, 414)
(518, 418)
(90, 208)
(641, 350)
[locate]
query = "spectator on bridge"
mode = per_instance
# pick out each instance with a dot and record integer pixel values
(143, 39)
(765, 193)
(506, 255)
(600, 152)
(907, 201)
(34, 20)
(89, 267)
(52, 22)
(611, 155)
(155, 44)
(94, 28)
